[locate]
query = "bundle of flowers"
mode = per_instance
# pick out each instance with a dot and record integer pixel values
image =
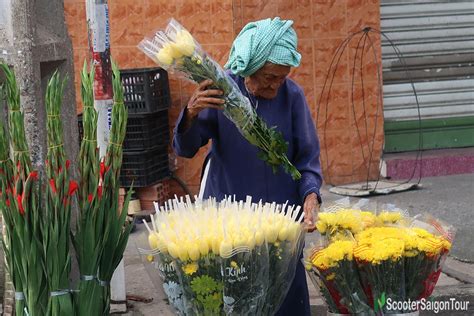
(37, 210)
(366, 258)
(175, 49)
(20, 205)
(232, 257)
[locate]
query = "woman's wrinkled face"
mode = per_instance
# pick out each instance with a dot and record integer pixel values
(267, 80)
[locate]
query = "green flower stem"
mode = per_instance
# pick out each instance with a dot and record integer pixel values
(237, 108)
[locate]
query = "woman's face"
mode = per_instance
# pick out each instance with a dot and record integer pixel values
(267, 80)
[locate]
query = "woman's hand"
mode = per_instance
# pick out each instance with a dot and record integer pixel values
(204, 98)
(311, 209)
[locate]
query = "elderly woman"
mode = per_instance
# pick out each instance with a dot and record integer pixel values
(260, 60)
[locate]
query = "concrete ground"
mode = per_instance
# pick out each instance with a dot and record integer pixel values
(450, 198)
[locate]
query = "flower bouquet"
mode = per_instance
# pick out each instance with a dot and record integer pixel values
(37, 212)
(20, 201)
(368, 258)
(221, 253)
(175, 49)
(102, 229)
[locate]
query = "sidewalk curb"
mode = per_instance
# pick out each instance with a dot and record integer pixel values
(458, 275)
(461, 290)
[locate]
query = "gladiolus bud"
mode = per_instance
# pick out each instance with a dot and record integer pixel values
(34, 175)
(73, 186)
(102, 169)
(20, 205)
(99, 192)
(52, 184)
(90, 197)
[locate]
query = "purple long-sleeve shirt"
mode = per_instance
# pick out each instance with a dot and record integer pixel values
(235, 168)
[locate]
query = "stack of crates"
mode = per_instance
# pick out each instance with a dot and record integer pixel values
(145, 148)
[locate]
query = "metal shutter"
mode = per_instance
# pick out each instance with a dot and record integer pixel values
(437, 41)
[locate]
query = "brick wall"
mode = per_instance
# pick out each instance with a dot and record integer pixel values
(321, 26)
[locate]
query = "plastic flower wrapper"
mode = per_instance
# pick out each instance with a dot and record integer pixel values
(333, 270)
(221, 256)
(174, 49)
(284, 234)
(430, 240)
(245, 263)
(161, 268)
(391, 215)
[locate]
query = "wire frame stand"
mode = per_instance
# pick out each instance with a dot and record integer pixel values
(373, 185)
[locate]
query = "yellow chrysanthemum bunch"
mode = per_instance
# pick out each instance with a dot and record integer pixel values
(414, 240)
(429, 243)
(344, 219)
(331, 255)
(385, 218)
(368, 219)
(380, 250)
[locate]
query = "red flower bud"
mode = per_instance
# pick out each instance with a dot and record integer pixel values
(20, 205)
(52, 184)
(90, 197)
(99, 191)
(7, 202)
(73, 186)
(102, 169)
(34, 175)
(68, 164)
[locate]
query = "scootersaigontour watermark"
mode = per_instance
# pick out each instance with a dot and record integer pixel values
(423, 304)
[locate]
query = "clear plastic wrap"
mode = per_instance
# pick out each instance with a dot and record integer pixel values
(175, 50)
(283, 257)
(435, 238)
(161, 269)
(393, 255)
(333, 270)
(226, 258)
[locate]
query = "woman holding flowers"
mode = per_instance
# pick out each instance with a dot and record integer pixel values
(260, 60)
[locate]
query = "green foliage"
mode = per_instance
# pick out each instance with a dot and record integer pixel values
(208, 292)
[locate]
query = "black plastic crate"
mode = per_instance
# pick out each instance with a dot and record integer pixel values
(143, 178)
(145, 131)
(145, 158)
(145, 90)
(143, 168)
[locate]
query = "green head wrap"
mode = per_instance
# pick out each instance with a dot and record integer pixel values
(263, 41)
